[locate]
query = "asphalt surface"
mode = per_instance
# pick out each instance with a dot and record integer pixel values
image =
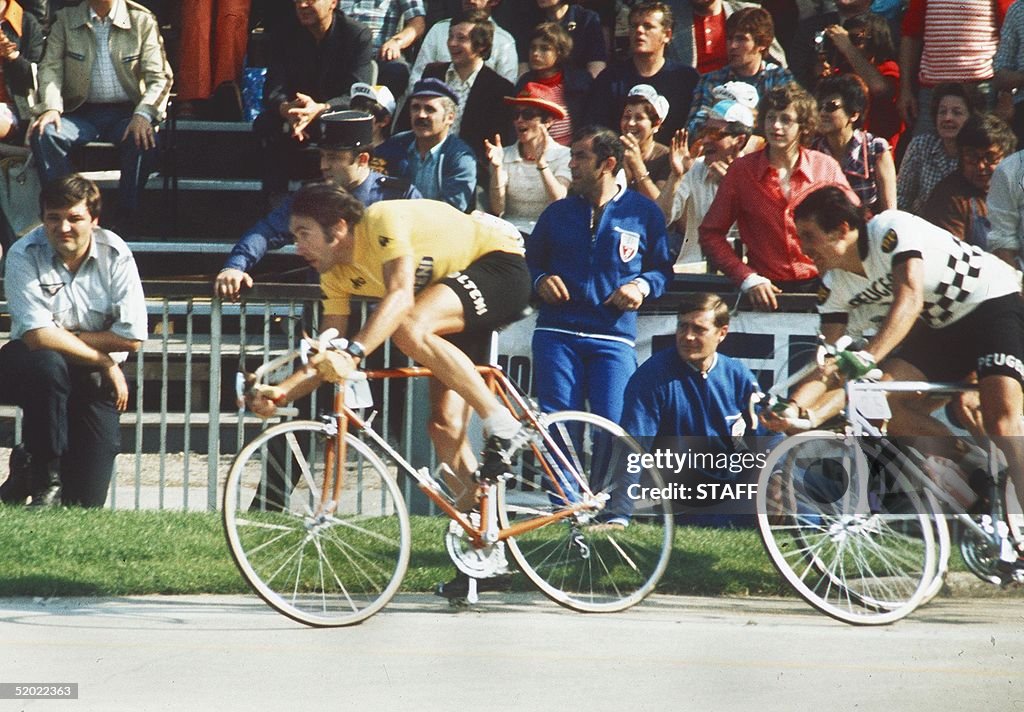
(512, 652)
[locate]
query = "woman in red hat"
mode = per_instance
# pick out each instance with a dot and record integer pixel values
(533, 172)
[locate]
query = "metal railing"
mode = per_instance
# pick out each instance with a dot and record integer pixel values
(182, 426)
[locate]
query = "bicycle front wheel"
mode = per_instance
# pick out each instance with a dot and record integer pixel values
(590, 467)
(846, 529)
(320, 563)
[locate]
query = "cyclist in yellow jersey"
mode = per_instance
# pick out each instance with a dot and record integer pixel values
(438, 273)
(440, 240)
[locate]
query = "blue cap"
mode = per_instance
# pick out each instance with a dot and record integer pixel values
(433, 87)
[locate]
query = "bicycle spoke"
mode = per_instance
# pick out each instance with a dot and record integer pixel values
(573, 561)
(845, 528)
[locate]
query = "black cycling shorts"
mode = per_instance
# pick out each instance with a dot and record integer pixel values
(494, 290)
(989, 340)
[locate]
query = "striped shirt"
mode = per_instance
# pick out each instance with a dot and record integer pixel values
(560, 129)
(384, 17)
(959, 38)
(104, 88)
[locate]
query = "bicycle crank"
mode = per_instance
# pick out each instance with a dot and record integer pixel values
(482, 562)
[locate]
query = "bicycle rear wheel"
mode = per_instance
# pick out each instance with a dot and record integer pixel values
(846, 529)
(581, 561)
(318, 565)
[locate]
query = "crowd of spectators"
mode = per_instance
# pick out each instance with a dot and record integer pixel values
(642, 68)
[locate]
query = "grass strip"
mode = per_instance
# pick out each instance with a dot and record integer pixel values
(78, 552)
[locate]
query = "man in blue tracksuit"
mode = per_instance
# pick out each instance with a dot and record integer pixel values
(697, 402)
(691, 389)
(594, 258)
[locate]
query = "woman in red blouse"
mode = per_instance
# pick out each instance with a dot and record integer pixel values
(756, 194)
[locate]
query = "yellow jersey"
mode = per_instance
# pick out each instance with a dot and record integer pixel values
(440, 239)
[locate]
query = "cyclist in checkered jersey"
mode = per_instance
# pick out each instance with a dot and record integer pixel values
(948, 309)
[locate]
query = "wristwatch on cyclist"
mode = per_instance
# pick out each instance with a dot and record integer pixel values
(356, 351)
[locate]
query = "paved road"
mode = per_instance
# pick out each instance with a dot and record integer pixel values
(670, 653)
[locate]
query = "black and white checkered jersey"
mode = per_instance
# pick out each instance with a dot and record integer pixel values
(957, 276)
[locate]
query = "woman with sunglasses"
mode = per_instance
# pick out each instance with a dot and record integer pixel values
(867, 160)
(646, 161)
(863, 45)
(534, 171)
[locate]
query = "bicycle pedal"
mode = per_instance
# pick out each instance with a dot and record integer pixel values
(1010, 573)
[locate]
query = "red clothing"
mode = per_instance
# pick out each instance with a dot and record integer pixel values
(750, 195)
(560, 129)
(710, 42)
(883, 118)
(959, 38)
(912, 24)
(213, 44)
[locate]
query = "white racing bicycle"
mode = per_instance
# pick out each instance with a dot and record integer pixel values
(855, 523)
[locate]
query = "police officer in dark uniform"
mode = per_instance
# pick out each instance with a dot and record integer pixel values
(345, 140)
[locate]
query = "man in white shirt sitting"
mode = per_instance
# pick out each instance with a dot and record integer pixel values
(697, 170)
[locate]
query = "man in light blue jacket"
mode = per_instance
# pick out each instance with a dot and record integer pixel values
(440, 164)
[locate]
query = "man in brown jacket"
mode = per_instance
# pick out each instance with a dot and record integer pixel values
(104, 77)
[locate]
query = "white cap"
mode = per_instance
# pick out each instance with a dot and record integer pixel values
(378, 92)
(646, 91)
(733, 111)
(740, 92)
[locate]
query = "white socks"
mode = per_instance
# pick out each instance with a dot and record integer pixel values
(502, 424)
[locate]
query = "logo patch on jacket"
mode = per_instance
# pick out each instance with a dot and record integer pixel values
(629, 244)
(823, 294)
(889, 241)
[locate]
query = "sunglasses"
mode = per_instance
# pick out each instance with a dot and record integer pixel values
(526, 114)
(832, 107)
(713, 133)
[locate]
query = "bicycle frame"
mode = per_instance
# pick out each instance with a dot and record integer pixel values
(859, 425)
(345, 418)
